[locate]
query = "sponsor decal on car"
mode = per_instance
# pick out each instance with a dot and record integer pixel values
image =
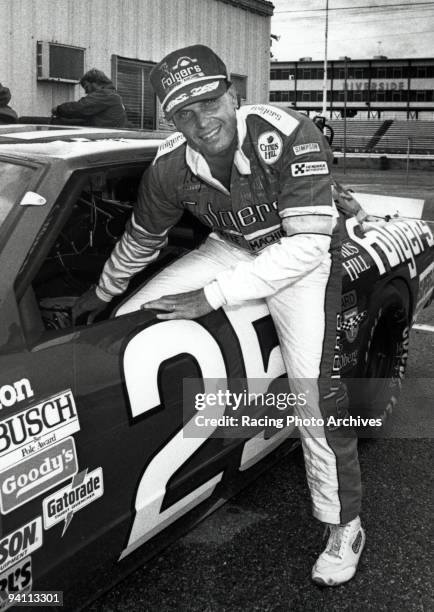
(309, 168)
(355, 266)
(20, 543)
(37, 427)
(84, 489)
(426, 285)
(348, 300)
(398, 242)
(37, 474)
(348, 249)
(351, 321)
(270, 147)
(16, 392)
(308, 147)
(348, 359)
(18, 579)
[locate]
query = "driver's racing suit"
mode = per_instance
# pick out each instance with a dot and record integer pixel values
(275, 235)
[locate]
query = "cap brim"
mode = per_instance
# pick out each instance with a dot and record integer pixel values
(194, 92)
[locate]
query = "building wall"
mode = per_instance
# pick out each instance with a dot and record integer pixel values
(136, 29)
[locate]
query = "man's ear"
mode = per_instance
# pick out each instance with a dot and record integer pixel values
(233, 95)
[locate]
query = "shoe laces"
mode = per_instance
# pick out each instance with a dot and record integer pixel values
(338, 536)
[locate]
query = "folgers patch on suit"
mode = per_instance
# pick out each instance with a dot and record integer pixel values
(37, 474)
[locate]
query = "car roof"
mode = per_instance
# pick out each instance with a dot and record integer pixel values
(66, 142)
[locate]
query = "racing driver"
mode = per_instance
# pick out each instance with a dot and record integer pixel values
(259, 177)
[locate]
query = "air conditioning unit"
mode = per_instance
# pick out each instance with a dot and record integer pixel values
(61, 63)
(291, 77)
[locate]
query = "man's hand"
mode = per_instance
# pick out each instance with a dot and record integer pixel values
(88, 302)
(190, 305)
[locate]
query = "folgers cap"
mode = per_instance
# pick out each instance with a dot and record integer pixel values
(188, 75)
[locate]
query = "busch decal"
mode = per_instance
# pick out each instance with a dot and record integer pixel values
(20, 543)
(18, 579)
(270, 147)
(37, 427)
(309, 168)
(63, 504)
(37, 474)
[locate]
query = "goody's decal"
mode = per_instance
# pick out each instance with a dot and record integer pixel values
(309, 168)
(308, 147)
(20, 543)
(270, 146)
(397, 242)
(15, 392)
(64, 503)
(17, 579)
(37, 427)
(37, 474)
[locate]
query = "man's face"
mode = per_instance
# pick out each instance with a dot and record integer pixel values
(89, 87)
(210, 125)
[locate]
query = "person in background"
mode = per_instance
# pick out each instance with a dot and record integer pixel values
(259, 177)
(7, 114)
(100, 107)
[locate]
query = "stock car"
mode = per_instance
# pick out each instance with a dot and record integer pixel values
(96, 474)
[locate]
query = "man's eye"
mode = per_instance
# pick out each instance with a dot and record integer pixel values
(184, 115)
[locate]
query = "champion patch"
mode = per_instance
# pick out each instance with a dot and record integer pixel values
(308, 147)
(270, 147)
(309, 168)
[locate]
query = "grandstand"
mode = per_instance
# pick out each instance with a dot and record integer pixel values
(389, 136)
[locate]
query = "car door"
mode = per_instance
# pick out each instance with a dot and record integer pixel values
(93, 447)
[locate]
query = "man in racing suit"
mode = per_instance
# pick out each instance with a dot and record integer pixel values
(259, 177)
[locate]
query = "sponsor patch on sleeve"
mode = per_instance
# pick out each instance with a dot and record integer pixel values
(308, 147)
(309, 168)
(270, 147)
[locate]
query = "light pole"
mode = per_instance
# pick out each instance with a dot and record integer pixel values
(345, 110)
(324, 85)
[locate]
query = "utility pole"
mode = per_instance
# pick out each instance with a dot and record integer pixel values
(324, 85)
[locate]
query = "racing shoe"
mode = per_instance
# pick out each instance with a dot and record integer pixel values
(338, 562)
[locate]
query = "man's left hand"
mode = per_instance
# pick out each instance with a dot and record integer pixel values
(190, 305)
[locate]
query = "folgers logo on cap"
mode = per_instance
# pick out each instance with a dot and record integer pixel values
(185, 69)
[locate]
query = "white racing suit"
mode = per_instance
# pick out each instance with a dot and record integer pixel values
(275, 236)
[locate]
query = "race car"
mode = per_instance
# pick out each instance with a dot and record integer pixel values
(101, 459)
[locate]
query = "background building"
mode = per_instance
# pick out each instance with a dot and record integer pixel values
(46, 46)
(373, 88)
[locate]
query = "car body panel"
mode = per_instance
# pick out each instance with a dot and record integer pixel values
(93, 417)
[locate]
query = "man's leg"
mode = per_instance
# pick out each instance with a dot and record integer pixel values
(192, 271)
(305, 316)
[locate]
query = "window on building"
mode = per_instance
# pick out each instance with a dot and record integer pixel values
(240, 82)
(305, 96)
(421, 72)
(131, 78)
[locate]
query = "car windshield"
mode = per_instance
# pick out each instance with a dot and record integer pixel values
(14, 179)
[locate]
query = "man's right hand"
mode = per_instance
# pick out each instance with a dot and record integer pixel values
(88, 302)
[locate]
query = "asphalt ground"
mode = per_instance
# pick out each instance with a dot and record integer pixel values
(256, 552)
